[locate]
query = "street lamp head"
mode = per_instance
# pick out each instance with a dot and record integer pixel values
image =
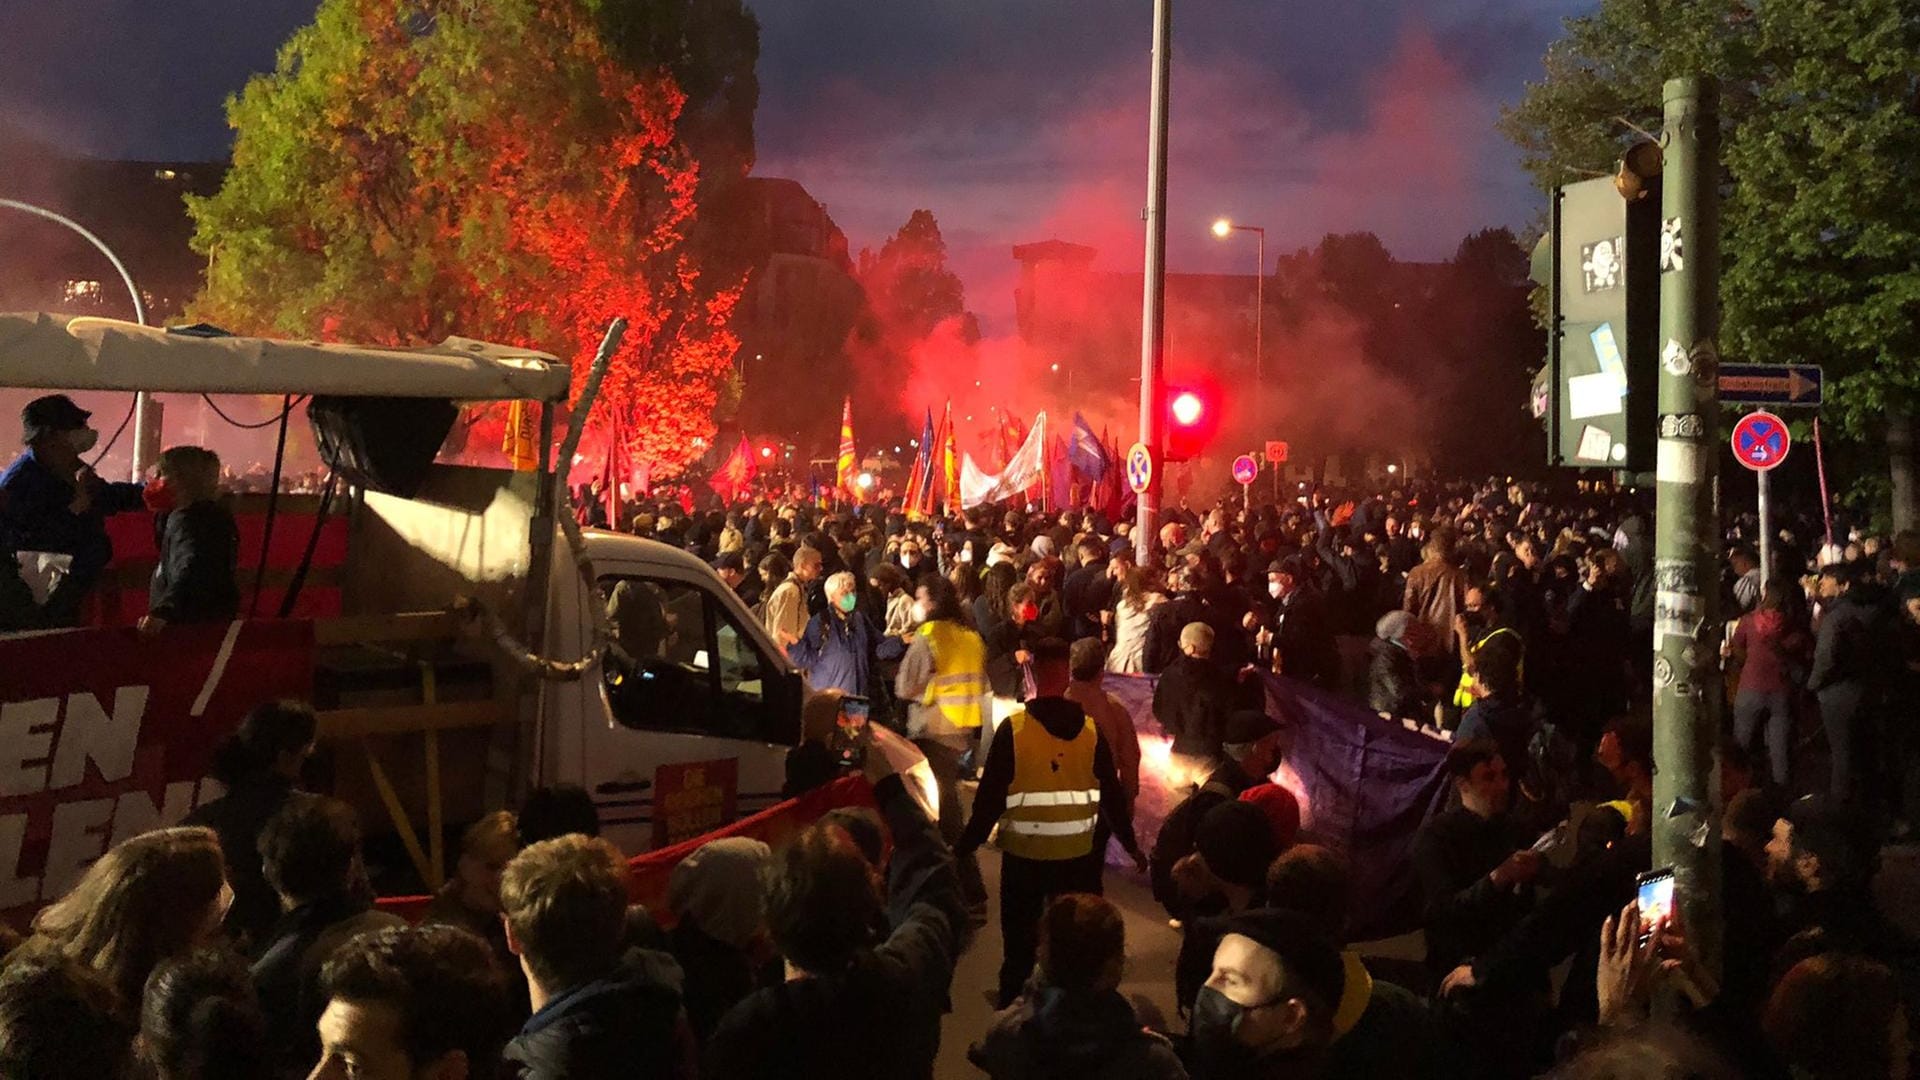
(1223, 228)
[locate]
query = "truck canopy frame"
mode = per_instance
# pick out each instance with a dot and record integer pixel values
(39, 350)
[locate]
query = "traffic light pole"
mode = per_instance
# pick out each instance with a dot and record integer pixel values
(1153, 391)
(1687, 631)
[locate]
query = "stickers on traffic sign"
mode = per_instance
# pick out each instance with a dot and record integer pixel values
(1245, 469)
(1761, 441)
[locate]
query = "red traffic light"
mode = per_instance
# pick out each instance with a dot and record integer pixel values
(1187, 408)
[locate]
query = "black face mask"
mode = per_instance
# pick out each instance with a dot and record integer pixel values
(1218, 1052)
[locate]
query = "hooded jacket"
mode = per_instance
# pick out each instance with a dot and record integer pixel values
(625, 1024)
(1055, 1034)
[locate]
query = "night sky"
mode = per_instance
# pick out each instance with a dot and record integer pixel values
(1013, 120)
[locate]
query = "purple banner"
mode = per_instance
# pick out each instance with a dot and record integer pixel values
(1364, 784)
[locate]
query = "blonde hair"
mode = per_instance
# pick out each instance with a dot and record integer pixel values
(495, 830)
(193, 471)
(138, 904)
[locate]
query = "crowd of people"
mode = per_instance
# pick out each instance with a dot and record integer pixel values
(1513, 625)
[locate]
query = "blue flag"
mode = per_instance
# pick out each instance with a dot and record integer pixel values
(1089, 457)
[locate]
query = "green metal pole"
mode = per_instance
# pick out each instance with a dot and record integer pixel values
(1687, 632)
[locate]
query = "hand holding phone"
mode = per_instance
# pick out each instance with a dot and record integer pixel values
(1654, 897)
(852, 735)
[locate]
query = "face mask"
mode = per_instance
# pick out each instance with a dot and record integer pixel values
(966, 555)
(909, 561)
(159, 495)
(1275, 589)
(849, 602)
(1029, 612)
(1216, 1028)
(919, 611)
(82, 440)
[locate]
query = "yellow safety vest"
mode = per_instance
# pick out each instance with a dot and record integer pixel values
(1463, 695)
(959, 680)
(1054, 800)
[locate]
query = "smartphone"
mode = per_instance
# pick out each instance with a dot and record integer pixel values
(1655, 894)
(852, 734)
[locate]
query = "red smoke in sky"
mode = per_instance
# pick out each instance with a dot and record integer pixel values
(1404, 171)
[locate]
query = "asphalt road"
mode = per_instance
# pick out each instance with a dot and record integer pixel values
(1151, 948)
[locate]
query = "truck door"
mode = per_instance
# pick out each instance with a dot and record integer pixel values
(694, 694)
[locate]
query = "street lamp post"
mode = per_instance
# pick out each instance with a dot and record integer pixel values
(1224, 228)
(145, 416)
(1153, 339)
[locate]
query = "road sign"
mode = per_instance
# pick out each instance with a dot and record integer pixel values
(1139, 468)
(1245, 469)
(1761, 442)
(1771, 384)
(1276, 452)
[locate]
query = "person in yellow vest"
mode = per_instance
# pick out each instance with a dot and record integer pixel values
(1476, 625)
(1051, 787)
(943, 679)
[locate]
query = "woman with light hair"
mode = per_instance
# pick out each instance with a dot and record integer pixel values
(1138, 597)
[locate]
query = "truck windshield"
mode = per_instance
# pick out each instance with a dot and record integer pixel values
(692, 669)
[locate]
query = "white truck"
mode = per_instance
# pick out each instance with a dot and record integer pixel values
(424, 720)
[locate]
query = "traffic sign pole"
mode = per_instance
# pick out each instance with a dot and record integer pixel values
(1686, 630)
(1766, 530)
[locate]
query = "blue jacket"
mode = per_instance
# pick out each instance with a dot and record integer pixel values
(35, 514)
(836, 652)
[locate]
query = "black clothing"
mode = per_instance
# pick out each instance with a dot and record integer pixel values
(1027, 886)
(1164, 624)
(199, 554)
(287, 974)
(1192, 701)
(1393, 683)
(238, 818)
(1177, 834)
(624, 1024)
(1054, 1034)
(718, 976)
(1087, 592)
(1463, 910)
(879, 1018)
(1303, 637)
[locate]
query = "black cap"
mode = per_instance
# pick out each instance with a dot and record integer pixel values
(1237, 841)
(1248, 726)
(51, 414)
(1312, 961)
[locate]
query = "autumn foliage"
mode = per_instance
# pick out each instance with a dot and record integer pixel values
(413, 170)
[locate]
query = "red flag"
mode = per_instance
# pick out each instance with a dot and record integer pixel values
(735, 473)
(613, 469)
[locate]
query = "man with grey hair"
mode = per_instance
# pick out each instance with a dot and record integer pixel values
(836, 649)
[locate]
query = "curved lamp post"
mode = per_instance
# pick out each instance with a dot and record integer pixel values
(144, 415)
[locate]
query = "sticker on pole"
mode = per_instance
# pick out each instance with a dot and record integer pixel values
(1761, 442)
(1245, 469)
(1139, 468)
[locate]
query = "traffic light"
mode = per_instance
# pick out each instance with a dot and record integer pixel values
(1600, 266)
(1191, 423)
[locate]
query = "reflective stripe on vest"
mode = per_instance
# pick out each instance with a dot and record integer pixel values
(1053, 802)
(1463, 695)
(959, 673)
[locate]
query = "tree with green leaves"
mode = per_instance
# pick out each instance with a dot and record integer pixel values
(1821, 221)
(500, 170)
(911, 291)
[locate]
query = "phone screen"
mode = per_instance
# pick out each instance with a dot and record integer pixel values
(852, 736)
(1656, 900)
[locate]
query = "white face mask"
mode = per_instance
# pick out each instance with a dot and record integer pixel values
(1275, 589)
(909, 560)
(919, 612)
(82, 439)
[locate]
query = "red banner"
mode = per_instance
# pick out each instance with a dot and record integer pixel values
(650, 872)
(105, 734)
